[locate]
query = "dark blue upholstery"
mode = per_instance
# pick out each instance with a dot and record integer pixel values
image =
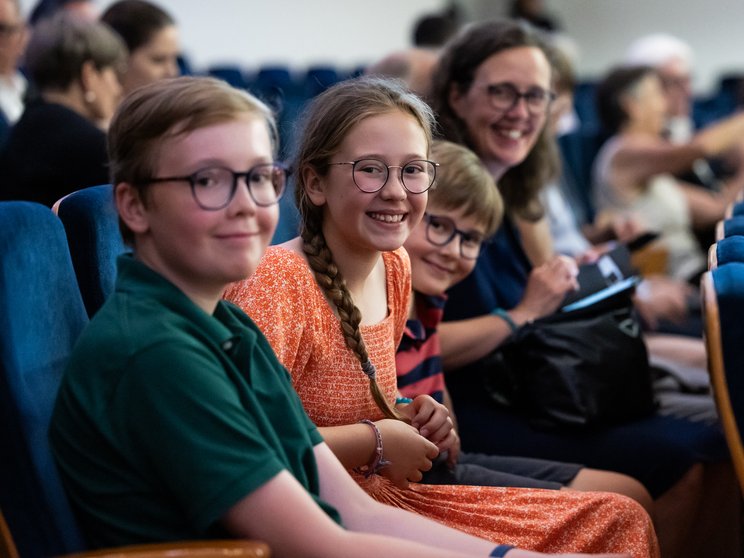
(733, 226)
(728, 284)
(41, 316)
(320, 78)
(92, 227)
(730, 249)
(289, 218)
(231, 74)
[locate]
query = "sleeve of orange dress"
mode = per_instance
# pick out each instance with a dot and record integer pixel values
(273, 298)
(398, 270)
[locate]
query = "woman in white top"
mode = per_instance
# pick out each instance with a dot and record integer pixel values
(634, 171)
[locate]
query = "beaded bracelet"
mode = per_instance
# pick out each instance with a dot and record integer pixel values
(378, 462)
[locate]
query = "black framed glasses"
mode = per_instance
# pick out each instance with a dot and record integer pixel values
(371, 175)
(214, 188)
(505, 96)
(440, 231)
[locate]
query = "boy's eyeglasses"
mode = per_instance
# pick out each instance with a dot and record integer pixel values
(214, 188)
(440, 231)
(371, 175)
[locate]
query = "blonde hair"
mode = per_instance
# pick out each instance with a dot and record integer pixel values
(463, 182)
(329, 119)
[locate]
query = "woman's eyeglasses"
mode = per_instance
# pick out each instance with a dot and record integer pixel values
(505, 96)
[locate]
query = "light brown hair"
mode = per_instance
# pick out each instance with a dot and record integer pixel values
(329, 119)
(463, 182)
(163, 110)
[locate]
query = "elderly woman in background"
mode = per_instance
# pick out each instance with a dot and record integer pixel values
(151, 36)
(634, 171)
(58, 145)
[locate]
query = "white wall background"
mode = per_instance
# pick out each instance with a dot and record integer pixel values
(348, 33)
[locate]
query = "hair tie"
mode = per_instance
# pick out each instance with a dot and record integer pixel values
(369, 369)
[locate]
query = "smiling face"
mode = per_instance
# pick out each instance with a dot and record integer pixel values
(435, 269)
(198, 250)
(503, 138)
(359, 222)
(156, 59)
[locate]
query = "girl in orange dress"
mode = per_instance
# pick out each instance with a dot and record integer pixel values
(333, 304)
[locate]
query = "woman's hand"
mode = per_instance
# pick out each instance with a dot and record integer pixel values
(546, 288)
(409, 453)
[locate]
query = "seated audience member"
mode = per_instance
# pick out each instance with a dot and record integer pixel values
(672, 59)
(45, 9)
(462, 212)
(413, 66)
(13, 38)
(662, 301)
(493, 92)
(333, 303)
(634, 170)
(433, 30)
(175, 420)
(57, 146)
(151, 36)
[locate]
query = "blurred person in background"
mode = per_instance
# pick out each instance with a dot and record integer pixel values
(45, 9)
(151, 36)
(58, 146)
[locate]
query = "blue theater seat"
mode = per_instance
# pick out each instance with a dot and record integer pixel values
(41, 316)
(723, 307)
(91, 223)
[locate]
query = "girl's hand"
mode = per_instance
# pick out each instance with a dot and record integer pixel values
(434, 423)
(408, 452)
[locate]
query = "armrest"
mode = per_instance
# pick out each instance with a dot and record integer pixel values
(187, 549)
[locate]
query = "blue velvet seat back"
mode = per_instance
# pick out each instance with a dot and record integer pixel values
(737, 208)
(730, 249)
(41, 316)
(92, 226)
(728, 281)
(733, 226)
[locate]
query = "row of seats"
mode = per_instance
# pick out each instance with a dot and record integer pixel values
(722, 292)
(41, 315)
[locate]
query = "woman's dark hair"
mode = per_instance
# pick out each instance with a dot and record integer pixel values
(610, 91)
(60, 45)
(460, 60)
(136, 21)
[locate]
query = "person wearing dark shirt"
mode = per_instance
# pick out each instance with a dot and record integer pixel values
(58, 145)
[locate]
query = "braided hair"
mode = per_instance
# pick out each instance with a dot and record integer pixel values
(329, 119)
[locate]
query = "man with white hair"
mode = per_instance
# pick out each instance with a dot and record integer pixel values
(672, 59)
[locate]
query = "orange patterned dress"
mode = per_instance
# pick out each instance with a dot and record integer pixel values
(284, 300)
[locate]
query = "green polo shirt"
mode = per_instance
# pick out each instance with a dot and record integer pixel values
(168, 416)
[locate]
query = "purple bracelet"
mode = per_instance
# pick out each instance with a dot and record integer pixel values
(378, 462)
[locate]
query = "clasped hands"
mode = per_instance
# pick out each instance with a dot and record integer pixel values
(411, 448)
